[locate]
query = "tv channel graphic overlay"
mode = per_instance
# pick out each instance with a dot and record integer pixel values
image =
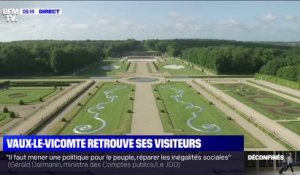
(178, 155)
(272, 162)
(121, 143)
(11, 14)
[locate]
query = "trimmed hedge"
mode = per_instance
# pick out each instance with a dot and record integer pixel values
(41, 83)
(128, 65)
(280, 81)
(156, 67)
(4, 84)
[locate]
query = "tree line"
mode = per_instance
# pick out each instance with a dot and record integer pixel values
(235, 57)
(51, 57)
(287, 66)
(231, 59)
(175, 47)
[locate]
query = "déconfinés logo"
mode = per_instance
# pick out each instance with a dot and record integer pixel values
(265, 157)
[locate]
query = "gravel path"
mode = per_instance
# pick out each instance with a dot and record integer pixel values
(152, 67)
(142, 69)
(131, 67)
(294, 99)
(145, 119)
(37, 117)
(287, 90)
(26, 111)
(57, 119)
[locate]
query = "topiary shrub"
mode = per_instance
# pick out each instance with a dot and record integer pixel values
(5, 110)
(157, 98)
(12, 114)
(41, 99)
(131, 98)
(79, 104)
(162, 111)
(21, 102)
(129, 111)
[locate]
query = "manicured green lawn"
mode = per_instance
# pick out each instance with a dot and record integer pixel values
(4, 118)
(181, 104)
(273, 106)
(111, 104)
(294, 126)
(96, 70)
(187, 70)
(27, 94)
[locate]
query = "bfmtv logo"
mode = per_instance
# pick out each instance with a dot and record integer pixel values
(10, 15)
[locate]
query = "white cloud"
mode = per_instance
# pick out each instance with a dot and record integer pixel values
(173, 14)
(141, 26)
(180, 18)
(180, 23)
(127, 23)
(60, 20)
(107, 22)
(292, 18)
(229, 23)
(269, 18)
(41, 27)
(79, 26)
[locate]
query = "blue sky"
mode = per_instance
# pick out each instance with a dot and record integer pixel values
(237, 20)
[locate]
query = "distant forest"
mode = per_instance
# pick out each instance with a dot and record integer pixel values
(50, 57)
(53, 57)
(233, 57)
